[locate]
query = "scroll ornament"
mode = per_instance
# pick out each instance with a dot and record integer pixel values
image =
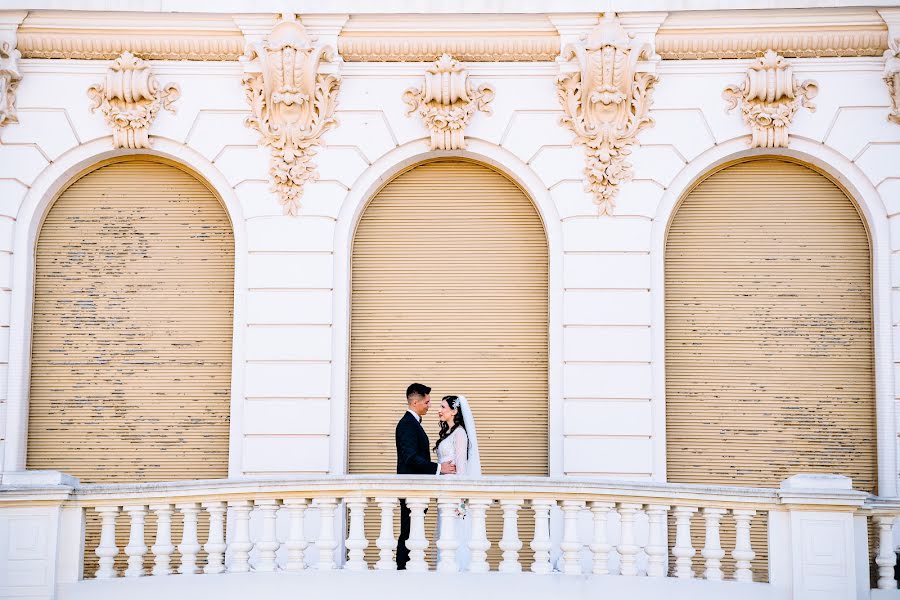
(130, 98)
(291, 105)
(606, 102)
(769, 98)
(447, 102)
(891, 78)
(9, 81)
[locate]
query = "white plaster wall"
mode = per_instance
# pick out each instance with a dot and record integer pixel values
(611, 392)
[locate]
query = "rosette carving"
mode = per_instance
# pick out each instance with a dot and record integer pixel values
(769, 98)
(9, 81)
(292, 104)
(891, 78)
(606, 102)
(447, 102)
(130, 98)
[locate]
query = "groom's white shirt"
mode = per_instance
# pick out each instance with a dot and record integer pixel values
(419, 421)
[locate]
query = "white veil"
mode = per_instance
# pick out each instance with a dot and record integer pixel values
(474, 464)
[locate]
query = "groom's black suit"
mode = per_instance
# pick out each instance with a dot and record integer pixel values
(413, 458)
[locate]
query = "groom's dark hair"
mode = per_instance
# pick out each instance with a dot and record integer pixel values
(417, 389)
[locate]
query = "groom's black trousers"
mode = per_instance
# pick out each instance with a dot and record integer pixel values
(402, 550)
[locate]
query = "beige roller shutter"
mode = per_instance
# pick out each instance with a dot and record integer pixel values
(769, 358)
(132, 330)
(449, 288)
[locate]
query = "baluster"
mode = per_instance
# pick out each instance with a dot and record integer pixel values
(189, 546)
(886, 557)
(510, 543)
(628, 547)
(215, 541)
(135, 549)
(479, 542)
(541, 543)
(447, 544)
(417, 542)
(743, 550)
(162, 548)
(268, 543)
(356, 536)
(656, 544)
(600, 546)
(107, 550)
(296, 543)
(683, 550)
(326, 542)
(241, 545)
(570, 545)
(386, 542)
(712, 547)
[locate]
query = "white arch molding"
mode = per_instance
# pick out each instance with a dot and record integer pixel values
(41, 195)
(363, 190)
(866, 197)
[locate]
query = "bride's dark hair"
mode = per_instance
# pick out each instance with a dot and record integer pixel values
(446, 430)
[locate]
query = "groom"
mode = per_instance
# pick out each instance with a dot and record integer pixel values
(414, 456)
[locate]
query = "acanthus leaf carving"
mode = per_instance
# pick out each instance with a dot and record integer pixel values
(769, 97)
(9, 81)
(130, 98)
(447, 102)
(892, 78)
(606, 102)
(292, 104)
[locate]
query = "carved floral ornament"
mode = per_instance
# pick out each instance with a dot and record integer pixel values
(606, 101)
(892, 78)
(9, 81)
(447, 102)
(130, 98)
(769, 98)
(292, 104)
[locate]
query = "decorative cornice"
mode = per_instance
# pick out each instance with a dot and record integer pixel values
(606, 101)
(794, 43)
(105, 45)
(466, 48)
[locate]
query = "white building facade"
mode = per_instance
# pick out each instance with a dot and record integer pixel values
(570, 189)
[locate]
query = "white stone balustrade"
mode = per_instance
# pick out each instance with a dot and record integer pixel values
(601, 528)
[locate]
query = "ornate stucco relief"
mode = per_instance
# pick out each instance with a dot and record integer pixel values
(606, 101)
(130, 98)
(769, 98)
(447, 102)
(107, 45)
(892, 78)
(468, 48)
(292, 104)
(9, 81)
(807, 43)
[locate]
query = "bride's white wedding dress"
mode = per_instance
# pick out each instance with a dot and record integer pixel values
(455, 448)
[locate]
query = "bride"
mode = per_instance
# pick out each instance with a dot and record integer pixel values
(458, 443)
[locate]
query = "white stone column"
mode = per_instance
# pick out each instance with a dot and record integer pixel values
(684, 549)
(326, 544)
(356, 535)
(107, 550)
(479, 542)
(268, 543)
(600, 545)
(162, 547)
(628, 547)
(215, 541)
(541, 543)
(296, 543)
(712, 546)
(189, 546)
(240, 545)
(510, 543)
(570, 545)
(887, 557)
(447, 544)
(656, 545)
(743, 552)
(386, 542)
(136, 548)
(417, 542)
